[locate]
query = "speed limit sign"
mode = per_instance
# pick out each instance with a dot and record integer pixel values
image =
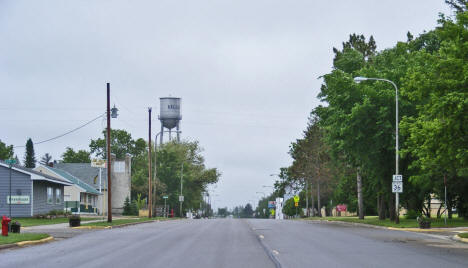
(397, 187)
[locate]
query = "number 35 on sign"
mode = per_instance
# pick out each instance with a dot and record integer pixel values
(397, 187)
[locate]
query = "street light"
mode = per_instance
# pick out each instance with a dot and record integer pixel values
(359, 79)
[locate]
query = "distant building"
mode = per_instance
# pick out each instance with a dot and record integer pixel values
(32, 192)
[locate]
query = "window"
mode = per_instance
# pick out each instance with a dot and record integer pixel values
(50, 195)
(58, 196)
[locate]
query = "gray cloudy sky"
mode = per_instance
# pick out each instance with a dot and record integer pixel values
(247, 71)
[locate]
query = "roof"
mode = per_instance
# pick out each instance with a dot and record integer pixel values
(88, 188)
(85, 172)
(35, 175)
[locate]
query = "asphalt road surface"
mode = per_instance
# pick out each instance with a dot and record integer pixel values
(242, 243)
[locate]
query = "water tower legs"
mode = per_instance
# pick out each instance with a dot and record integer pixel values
(161, 135)
(178, 133)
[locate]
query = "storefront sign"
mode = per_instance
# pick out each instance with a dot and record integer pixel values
(18, 199)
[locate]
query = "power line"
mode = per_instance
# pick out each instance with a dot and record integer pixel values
(66, 133)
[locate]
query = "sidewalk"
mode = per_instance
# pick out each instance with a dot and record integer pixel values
(446, 233)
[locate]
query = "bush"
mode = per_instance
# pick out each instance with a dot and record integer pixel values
(127, 208)
(412, 214)
(134, 208)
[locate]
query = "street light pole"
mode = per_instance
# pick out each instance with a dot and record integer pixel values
(181, 186)
(359, 79)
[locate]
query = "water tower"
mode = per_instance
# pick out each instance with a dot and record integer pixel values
(169, 116)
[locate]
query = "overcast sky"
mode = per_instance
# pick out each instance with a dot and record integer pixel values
(247, 71)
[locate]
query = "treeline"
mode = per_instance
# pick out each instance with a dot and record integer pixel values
(347, 153)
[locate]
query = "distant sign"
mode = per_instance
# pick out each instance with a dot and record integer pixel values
(397, 178)
(181, 198)
(10, 161)
(341, 208)
(165, 197)
(18, 199)
(272, 212)
(296, 204)
(99, 163)
(271, 204)
(296, 199)
(397, 187)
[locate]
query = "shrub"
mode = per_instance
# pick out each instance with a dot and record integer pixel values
(134, 208)
(127, 208)
(412, 214)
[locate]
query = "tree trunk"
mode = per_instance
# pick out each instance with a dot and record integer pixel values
(449, 206)
(359, 195)
(318, 200)
(307, 197)
(381, 207)
(438, 211)
(312, 200)
(391, 208)
(428, 213)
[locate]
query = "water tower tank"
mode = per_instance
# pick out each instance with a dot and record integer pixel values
(170, 112)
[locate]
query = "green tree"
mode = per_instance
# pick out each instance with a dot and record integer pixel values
(171, 157)
(436, 83)
(247, 211)
(46, 159)
(6, 152)
(81, 156)
(121, 144)
(223, 212)
(29, 156)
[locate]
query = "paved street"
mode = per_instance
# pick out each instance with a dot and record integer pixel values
(242, 243)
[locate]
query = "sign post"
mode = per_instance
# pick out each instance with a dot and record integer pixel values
(165, 211)
(397, 187)
(296, 202)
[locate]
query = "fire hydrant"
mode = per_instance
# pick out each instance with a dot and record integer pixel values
(5, 225)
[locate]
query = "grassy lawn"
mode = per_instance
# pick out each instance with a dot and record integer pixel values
(122, 221)
(404, 223)
(463, 235)
(25, 222)
(13, 238)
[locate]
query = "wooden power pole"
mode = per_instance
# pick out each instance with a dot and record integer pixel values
(149, 166)
(108, 153)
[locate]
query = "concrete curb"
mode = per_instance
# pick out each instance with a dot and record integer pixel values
(461, 239)
(112, 227)
(27, 243)
(35, 242)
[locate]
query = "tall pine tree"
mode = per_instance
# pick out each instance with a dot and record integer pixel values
(29, 157)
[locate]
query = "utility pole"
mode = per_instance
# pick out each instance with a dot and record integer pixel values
(9, 197)
(109, 168)
(150, 203)
(181, 185)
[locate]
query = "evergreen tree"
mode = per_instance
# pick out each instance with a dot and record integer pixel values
(46, 159)
(29, 156)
